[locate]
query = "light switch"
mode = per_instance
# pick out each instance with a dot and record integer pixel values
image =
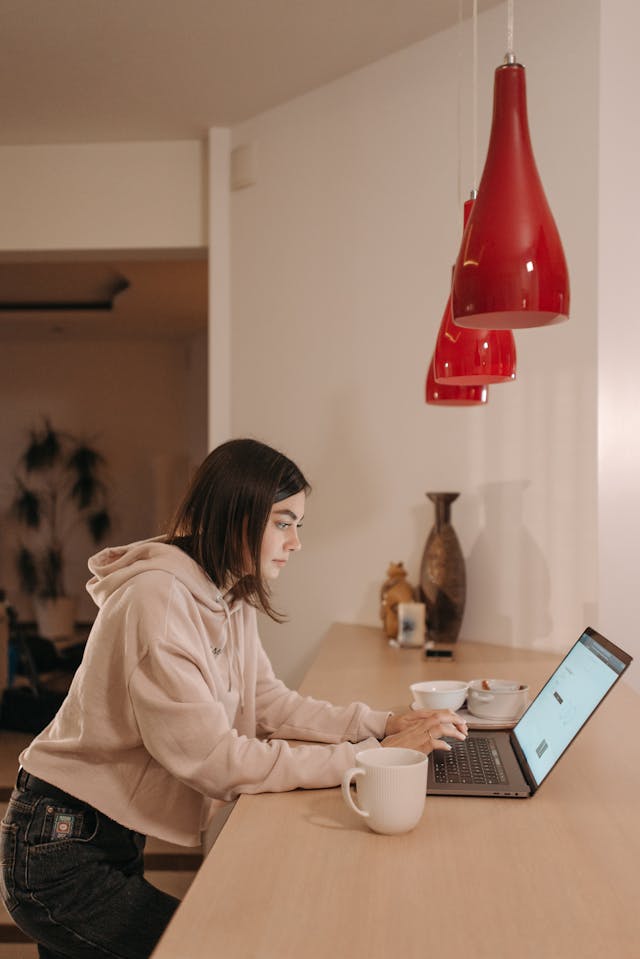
(243, 166)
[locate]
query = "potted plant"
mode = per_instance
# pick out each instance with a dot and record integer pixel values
(59, 484)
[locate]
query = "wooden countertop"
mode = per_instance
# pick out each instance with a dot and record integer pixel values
(551, 877)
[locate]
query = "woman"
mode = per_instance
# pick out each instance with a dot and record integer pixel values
(174, 710)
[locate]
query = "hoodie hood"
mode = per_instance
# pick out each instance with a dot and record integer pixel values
(116, 565)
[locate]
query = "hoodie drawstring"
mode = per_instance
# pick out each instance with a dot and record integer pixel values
(236, 666)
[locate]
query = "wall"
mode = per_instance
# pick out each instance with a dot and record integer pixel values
(219, 398)
(103, 196)
(619, 331)
(135, 400)
(341, 258)
(144, 401)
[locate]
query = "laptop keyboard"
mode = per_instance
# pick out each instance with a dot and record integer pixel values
(472, 761)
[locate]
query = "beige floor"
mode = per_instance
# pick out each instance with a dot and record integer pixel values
(175, 882)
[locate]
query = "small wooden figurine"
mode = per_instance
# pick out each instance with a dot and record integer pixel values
(394, 590)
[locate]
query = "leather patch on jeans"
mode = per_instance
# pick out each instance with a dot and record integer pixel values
(63, 824)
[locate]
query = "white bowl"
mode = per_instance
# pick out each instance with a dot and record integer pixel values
(439, 694)
(504, 699)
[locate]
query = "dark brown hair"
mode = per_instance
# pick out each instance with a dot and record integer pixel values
(225, 511)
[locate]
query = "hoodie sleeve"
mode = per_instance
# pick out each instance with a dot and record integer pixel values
(185, 729)
(284, 714)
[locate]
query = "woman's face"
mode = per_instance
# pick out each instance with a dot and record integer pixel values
(280, 537)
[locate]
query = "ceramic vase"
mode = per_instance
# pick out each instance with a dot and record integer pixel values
(443, 581)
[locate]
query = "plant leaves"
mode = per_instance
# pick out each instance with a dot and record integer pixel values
(27, 507)
(27, 571)
(52, 585)
(85, 490)
(85, 460)
(70, 487)
(43, 450)
(99, 524)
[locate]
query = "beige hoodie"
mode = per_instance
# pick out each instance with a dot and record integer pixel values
(175, 704)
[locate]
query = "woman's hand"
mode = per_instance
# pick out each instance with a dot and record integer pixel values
(423, 729)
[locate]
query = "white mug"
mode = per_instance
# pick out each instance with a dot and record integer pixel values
(391, 784)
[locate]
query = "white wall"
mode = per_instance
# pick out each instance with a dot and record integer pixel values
(619, 329)
(341, 258)
(219, 401)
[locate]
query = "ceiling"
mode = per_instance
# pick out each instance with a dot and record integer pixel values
(107, 70)
(78, 71)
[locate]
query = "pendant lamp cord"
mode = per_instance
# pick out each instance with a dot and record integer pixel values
(459, 106)
(474, 179)
(510, 56)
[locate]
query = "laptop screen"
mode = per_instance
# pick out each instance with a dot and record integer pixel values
(564, 704)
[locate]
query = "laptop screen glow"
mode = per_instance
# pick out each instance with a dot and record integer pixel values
(564, 704)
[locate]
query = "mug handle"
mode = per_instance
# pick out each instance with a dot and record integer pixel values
(347, 779)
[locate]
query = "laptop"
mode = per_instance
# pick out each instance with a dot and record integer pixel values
(515, 763)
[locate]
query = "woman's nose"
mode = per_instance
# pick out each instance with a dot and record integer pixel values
(293, 543)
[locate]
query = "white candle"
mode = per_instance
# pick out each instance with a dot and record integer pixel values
(411, 624)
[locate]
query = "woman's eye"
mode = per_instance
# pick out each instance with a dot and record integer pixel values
(283, 525)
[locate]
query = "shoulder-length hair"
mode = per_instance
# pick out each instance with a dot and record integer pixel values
(222, 518)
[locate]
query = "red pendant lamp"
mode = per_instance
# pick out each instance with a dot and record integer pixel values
(511, 271)
(444, 395)
(465, 357)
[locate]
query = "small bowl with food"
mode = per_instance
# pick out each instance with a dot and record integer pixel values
(439, 694)
(497, 699)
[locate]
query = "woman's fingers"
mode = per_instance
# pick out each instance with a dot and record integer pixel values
(457, 729)
(425, 718)
(440, 716)
(453, 731)
(413, 737)
(446, 723)
(425, 729)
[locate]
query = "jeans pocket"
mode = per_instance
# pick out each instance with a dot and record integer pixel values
(8, 840)
(55, 823)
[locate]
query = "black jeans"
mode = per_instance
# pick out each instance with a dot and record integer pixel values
(72, 878)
